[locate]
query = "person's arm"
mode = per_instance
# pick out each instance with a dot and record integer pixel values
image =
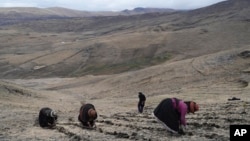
(183, 111)
(92, 123)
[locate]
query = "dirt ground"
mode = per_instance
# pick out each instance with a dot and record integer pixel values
(210, 81)
(118, 119)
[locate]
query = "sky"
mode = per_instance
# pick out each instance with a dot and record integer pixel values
(109, 5)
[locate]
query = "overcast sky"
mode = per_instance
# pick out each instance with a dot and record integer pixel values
(108, 5)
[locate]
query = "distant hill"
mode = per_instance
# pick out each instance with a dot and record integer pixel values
(15, 14)
(76, 46)
(18, 12)
(228, 6)
(140, 10)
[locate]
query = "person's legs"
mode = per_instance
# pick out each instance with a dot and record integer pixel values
(142, 106)
(139, 107)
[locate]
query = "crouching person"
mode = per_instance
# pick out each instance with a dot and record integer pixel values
(87, 115)
(47, 118)
(171, 114)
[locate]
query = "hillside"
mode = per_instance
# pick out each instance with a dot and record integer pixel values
(99, 45)
(209, 80)
(201, 55)
(14, 15)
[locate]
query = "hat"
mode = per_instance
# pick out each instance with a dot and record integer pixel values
(53, 113)
(193, 107)
(92, 114)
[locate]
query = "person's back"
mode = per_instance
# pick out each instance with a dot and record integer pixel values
(47, 117)
(171, 113)
(141, 96)
(87, 115)
(141, 103)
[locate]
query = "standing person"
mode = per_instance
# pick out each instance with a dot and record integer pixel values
(47, 118)
(141, 103)
(87, 115)
(171, 113)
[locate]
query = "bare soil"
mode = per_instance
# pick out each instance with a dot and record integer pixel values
(210, 81)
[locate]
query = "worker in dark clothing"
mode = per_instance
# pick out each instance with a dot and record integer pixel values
(141, 103)
(47, 118)
(87, 115)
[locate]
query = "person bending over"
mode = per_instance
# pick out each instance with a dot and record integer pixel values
(47, 118)
(171, 114)
(87, 115)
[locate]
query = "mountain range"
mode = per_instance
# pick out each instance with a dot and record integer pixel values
(115, 44)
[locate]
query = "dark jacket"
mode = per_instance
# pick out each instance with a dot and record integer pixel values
(45, 120)
(83, 114)
(142, 97)
(166, 113)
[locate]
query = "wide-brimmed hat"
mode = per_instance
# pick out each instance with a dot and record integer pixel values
(53, 113)
(92, 114)
(192, 106)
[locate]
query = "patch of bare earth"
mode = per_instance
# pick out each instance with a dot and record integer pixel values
(210, 80)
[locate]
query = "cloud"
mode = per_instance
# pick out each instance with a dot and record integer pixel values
(9, 4)
(107, 5)
(26, 3)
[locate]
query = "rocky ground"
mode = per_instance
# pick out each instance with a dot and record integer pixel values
(210, 81)
(19, 120)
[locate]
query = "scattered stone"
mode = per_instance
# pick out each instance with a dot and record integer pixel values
(122, 135)
(134, 134)
(100, 130)
(234, 98)
(108, 122)
(245, 54)
(71, 119)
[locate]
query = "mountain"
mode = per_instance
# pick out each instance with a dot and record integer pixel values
(14, 14)
(20, 14)
(140, 10)
(115, 44)
(27, 12)
(237, 7)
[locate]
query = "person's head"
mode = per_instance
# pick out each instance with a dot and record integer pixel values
(53, 114)
(192, 106)
(140, 93)
(92, 114)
